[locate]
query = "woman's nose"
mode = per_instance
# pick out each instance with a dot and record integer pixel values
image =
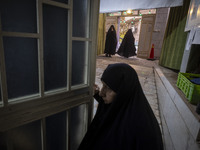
(102, 93)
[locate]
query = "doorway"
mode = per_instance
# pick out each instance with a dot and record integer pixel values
(131, 19)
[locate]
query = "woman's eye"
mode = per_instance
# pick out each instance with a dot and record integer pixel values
(106, 87)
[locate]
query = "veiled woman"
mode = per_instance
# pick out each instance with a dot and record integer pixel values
(124, 119)
(111, 42)
(127, 47)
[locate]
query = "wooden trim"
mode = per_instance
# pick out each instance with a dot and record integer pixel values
(40, 48)
(4, 94)
(81, 39)
(35, 110)
(37, 100)
(57, 4)
(56, 91)
(67, 130)
(20, 34)
(23, 98)
(43, 133)
(93, 52)
(87, 71)
(75, 87)
(87, 111)
(88, 19)
(70, 29)
(90, 45)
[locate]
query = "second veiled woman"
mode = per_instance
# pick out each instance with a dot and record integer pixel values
(127, 47)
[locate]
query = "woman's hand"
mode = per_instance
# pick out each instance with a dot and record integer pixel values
(95, 89)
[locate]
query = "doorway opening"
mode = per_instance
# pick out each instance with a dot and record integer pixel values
(130, 19)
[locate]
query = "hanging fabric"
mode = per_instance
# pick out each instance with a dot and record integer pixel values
(175, 37)
(101, 34)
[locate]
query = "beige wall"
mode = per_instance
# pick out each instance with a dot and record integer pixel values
(111, 21)
(159, 30)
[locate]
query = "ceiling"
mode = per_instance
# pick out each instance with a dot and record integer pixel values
(107, 6)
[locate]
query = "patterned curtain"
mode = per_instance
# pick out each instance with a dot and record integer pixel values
(175, 37)
(101, 34)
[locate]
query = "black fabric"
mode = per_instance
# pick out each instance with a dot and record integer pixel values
(111, 41)
(128, 123)
(127, 47)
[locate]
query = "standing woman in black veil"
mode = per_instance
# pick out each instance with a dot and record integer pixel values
(111, 42)
(124, 119)
(127, 47)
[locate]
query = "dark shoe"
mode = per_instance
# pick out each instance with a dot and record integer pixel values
(106, 55)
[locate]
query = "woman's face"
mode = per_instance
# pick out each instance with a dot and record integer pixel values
(107, 94)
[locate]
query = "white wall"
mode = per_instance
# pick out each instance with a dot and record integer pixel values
(180, 126)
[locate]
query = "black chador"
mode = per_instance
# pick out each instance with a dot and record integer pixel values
(127, 47)
(111, 42)
(128, 123)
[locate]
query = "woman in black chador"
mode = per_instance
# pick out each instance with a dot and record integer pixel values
(111, 42)
(127, 47)
(124, 119)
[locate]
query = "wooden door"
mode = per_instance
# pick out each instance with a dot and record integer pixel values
(146, 30)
